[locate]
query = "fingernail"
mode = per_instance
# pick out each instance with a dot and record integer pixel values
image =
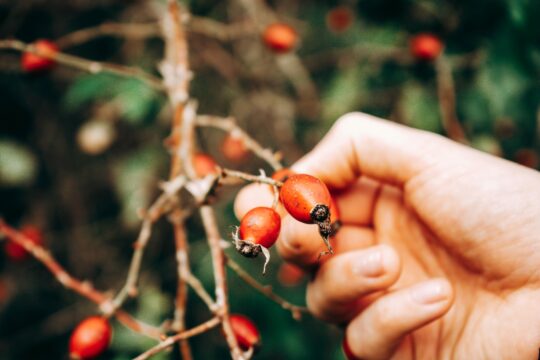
(431, 292)
(370, 265)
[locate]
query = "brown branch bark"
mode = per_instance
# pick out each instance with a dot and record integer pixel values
(184, 335)
(447, 101)
(83, 288)
(156, 210)
(93, 67)
(295, 310)
(134, 31)
(229, 125)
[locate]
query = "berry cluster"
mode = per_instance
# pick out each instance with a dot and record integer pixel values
(305, 198)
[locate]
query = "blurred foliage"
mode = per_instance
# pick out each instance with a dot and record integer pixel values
(87, 202)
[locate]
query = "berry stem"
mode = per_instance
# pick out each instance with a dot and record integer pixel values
(262, 178)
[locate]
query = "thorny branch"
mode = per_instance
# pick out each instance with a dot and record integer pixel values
(93, 67)
(134, 31)
(229, 125)
(176, 78)
(177, 75)
(195, 24)
(83, 288)
(184, 335)
(295, 310)
(155, 211)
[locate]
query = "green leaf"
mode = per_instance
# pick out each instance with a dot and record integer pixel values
(344, 94)
(420, 107)
(134, 177)
(88, 88)
(135, 100)
(18, 165)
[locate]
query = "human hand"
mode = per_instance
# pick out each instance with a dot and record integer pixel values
(439, 252)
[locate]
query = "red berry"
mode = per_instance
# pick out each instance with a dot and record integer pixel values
(527, 157)
(204, 165)
(234, 149)
(18, 253)
(90, 338)
(246, 332)
(280, 37)
(290, 275)
(426, 46)
(5, 291)
(339, 19)
(31, 62)
(306, 198)
(347, 350)
(260, 226)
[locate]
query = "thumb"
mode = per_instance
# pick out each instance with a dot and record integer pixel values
(360, 144)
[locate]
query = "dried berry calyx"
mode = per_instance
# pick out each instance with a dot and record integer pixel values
(308, 200)
(258, 231)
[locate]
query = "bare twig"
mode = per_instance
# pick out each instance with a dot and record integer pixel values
(93, 67)
(447, 101)
(182, 261)
(134, 31)
(83, 288)
(168, 342)
(229, 125)
(261, 179)
(152, 215)
(214, 241)
(218, 30)
(353, 54)
(295, 310)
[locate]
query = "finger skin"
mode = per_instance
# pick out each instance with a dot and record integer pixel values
(301, 243)
(345, 278)
(377, 331)
(252, 196)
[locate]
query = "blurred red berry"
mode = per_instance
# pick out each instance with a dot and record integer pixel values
(234, 149)
(426, 46)
(90, 338)
(339, 19)
(246, 332)
(18, 253)
(204, 165)
(290, 275)
(527, 157)
(31, 62)
(280, 38)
